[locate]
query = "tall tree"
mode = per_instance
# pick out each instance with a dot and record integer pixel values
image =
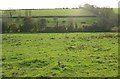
(106, 19)
(56, 22)
(30, 12)
(5, 23)
(70, 26)
(13, 27)
(27, 24)
(11, 12)
(41, 24)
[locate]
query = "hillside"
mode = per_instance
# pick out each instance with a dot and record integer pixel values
(62, 12)
(52, 12)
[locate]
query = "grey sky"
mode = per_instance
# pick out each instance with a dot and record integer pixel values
(27, 4)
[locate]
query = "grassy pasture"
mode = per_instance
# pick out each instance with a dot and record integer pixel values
(116, 10)
(60, 55)
(62, 12)
(54, 12)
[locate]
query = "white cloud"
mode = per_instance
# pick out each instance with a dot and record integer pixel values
(27, 4)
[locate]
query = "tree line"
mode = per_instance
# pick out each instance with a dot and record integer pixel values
(28, 24)
(107, 21)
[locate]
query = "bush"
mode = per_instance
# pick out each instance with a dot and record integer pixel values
(49, 29)
(116, 29)
(5, 23)
(13, 27)
(41, 24)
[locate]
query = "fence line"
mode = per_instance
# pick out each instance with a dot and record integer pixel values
(54, 17)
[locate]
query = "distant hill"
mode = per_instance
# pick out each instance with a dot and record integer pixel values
(55, 12)
(62, 12)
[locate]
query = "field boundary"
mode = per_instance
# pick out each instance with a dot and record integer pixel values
(54, 17)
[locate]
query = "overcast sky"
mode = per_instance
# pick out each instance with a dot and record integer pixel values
(30, 4)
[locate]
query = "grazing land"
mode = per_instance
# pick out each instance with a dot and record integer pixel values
(116, 10)
(52, 12)
(60, 47)
(60, 55)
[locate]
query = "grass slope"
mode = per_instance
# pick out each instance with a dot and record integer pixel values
(54, 12)
(60, 55)
(116, 10)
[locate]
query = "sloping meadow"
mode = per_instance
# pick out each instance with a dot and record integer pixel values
(60, 55)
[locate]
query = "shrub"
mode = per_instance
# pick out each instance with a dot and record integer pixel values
(41, 25)
(13, 27)
(115, 29)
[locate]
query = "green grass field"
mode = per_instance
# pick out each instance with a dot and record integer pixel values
(116, 10)
(53, 12)
(56, 12)
(60, 55)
